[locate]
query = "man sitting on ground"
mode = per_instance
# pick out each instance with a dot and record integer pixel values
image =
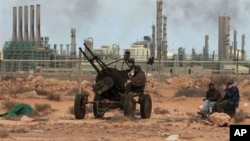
(212, 96)
(230, 100)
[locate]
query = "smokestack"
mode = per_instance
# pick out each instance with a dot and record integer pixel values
(61, 49)
(38, 34)
(73, 42)
(67, 47)
(55, 51)
(231, 51)
(235, 45)
(20, 23)
(26, 10)
(164, 39)
(224, 40)
(243, 48)
(14, 33)
(205, 54)
(32, 36)
(159, 28)
(153, 41)
(206, 42)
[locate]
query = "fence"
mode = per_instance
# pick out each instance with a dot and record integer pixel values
(166, 68)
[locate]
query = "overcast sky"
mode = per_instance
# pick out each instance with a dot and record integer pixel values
(125, 21)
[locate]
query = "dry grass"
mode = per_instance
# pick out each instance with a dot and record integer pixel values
(246, 94)
(8, 104)
(120, 118)
(8, 77)
(53, 96)
(42, 107)
(3, 133)
(71, 110)
(191, 92)
(175, 119)
(220, 80)
(240, 116)
(21, 89)
(18, 130)
(75, 91)
(161, 111)
(42, 92)
(194, 118)
(50, 95)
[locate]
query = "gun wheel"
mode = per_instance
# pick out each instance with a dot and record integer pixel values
(96, 107)
(129, 105)
(146, 106)
(79, 106)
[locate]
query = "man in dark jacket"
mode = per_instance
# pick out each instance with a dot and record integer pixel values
(212, 96)
(138, 80)
(231, 98)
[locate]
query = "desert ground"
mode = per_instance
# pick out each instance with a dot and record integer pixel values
(172, 114)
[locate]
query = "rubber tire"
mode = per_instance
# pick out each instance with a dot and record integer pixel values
(129, 105)
(79, 106)
(146, 106)
(95, 107)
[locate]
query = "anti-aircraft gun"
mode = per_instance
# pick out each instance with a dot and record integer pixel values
(109, 89)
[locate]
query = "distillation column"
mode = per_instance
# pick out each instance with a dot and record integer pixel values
(38, 26)
(14, 32)
(159, 28)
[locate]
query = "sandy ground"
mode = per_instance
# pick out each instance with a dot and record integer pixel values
(60, 124)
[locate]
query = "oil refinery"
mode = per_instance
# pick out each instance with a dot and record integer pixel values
(29, 50)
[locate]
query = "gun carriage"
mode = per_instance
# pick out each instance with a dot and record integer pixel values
(110, 83)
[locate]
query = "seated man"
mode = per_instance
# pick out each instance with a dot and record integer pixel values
(212, 96)
(138, 80)
(230, 100)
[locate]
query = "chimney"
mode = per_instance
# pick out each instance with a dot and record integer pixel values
(46, 40)
(243, 47)
(14, 33)
(20, 23)
(32, 36)
(26, 10)
(164, 39)
(206, 48)
(67, 46)
(153, 41)
(235, 45)
(159, 28)
(73, 42)
(224, 40)
(55, 51)
(38, 35)
(61, 49)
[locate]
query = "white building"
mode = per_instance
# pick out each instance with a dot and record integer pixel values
(139, 52)
(108, 51)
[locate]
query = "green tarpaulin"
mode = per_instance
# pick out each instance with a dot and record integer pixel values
(17, 110)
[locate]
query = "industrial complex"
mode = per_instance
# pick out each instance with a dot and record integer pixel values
(29, 50)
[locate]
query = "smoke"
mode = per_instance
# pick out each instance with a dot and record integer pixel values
(81, 11)
(124, 21)
(198, 13)
(75, 10)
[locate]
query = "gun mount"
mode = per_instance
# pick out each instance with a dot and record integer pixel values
(109, 89)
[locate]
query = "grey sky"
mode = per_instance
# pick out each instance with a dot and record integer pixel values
(125, 21)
